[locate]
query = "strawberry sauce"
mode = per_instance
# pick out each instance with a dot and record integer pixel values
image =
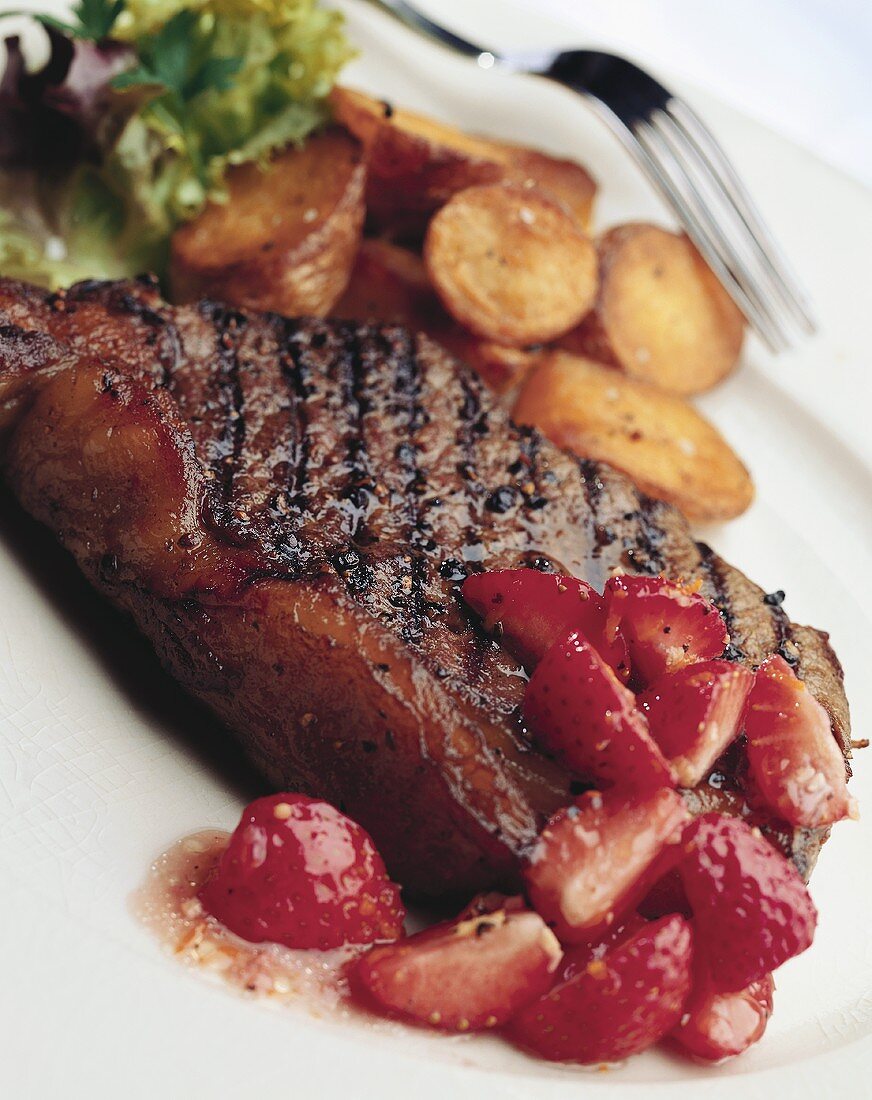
(167, 904)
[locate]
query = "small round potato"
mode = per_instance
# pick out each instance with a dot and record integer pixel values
(659, 440)
(565, 180)
(660, 315)
(511, 264)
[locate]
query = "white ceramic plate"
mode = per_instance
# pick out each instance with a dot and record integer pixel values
(103, 762)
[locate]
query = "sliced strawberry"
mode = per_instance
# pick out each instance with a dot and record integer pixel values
(577, 709)
(298, 872)
(618, 1005)
(693, 714)
(595, 860)
(716, 1026)
(751, 909)
(463, 975)
(666, 625)
(534, 610)
(792, 754)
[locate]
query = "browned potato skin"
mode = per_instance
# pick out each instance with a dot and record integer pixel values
(389, 285)
(416, 164)
(510, 264)
(659, 440)
(565, 180)
(660, 315)
(265, 248)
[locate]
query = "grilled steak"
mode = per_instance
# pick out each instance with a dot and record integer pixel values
(286, 508)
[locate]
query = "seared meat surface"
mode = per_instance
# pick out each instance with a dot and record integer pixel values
(287, 508)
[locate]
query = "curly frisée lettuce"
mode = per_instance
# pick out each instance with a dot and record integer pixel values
(136, 116)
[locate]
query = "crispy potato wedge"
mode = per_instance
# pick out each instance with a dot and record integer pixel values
(510, 264)
(660, 315)
(417, 163)
(287, 237)
(658, 439)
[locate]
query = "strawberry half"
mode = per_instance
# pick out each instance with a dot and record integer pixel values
(618, 1005)
(665, 625)
(577, 709)
(716, 1026)
(298, 872)
(792, 754)
(464, 975)
(595, 860)
(695, 713)
(751, 909)
(534, 610)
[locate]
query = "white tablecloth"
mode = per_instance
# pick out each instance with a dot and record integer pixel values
(804, 67)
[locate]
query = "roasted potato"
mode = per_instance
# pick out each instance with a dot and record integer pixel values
(658, 439)
(660, 314)
(389, 284)
(416, 164)
(510, 264)
(286, 238)
(565, 180)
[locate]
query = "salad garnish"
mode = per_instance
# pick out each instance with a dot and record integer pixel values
(130, 125)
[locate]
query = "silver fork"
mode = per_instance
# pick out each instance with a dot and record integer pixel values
(680, 157)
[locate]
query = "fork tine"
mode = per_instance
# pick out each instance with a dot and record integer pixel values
(652, 160)
(770, 256)
(729, 235)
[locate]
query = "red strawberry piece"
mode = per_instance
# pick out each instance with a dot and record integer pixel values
(578, 956)
(695, 713)
(751, 909)
(464, 975)
(792, 754)
(577, 709)
(666, 625)
(595, 860)
(534, 610)
(298, 872)
(716, 1026)
(666, 896)
(618, 1005)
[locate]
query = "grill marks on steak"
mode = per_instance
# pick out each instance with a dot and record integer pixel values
(363, 463)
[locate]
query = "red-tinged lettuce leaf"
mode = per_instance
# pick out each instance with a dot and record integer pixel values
(67, 111)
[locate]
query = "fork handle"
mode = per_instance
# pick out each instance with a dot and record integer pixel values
(417, 21)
